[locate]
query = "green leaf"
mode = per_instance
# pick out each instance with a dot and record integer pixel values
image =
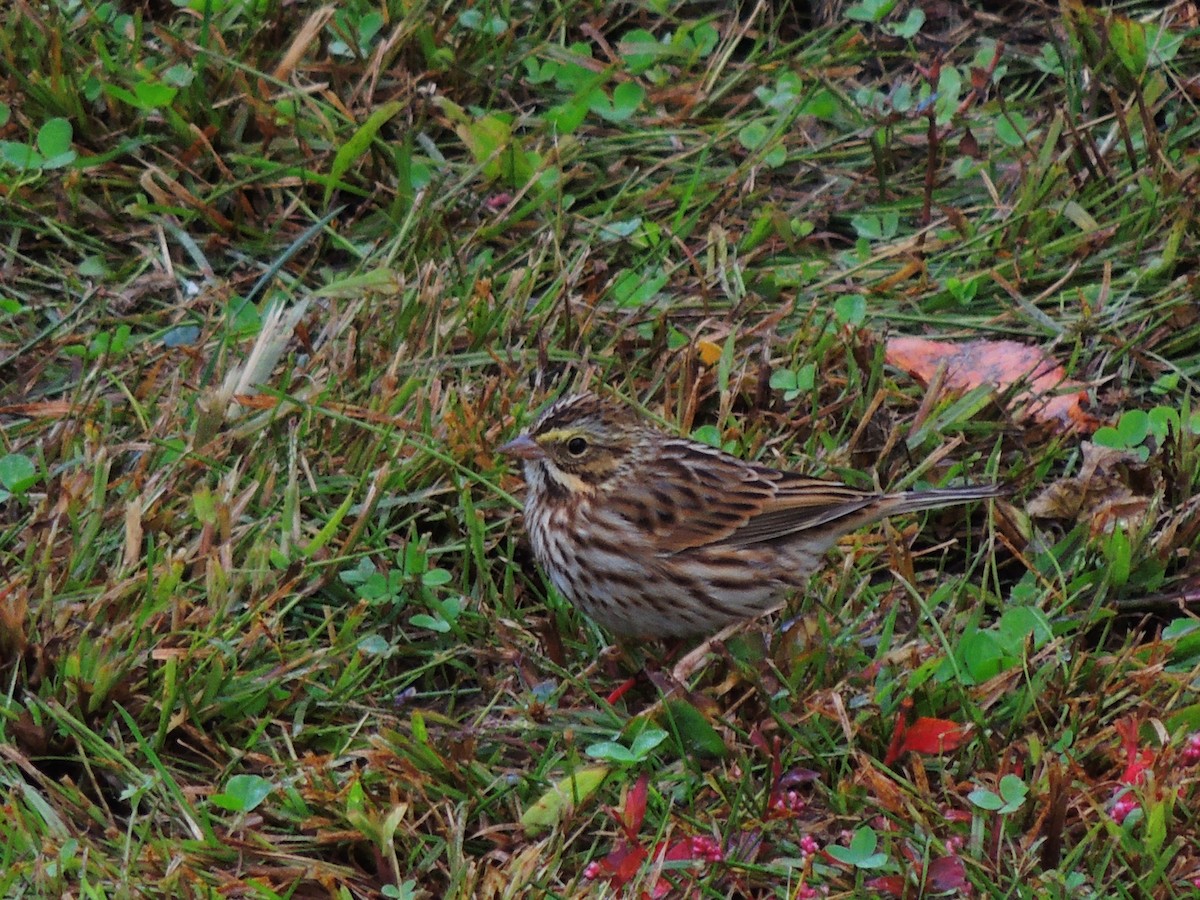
(566, 117)
(1163, 44)
(17, 473)
(861, 852)
(775, 157)
(374, 645)
(1107, 436)
(985, 799)
(1128, 40)
(753, 135)
(416, 561)
(1118, 552)
(783, 95)
(1180, 628)
(539, 71)
(949, 90)
(20, 156)
(702, 38)
(421, 620)
(1134, 426)
(153, 95)
(179, 75)
(610, 751)
(1020, 622)
(981, 655)
(872, 11)
(698, 736)
(637, 231)
(562, 798)
(640, 50)
(436, 578)
(475, 20)
(823, 104)
(1014, 791)
(1158, 816)
(109, 343)
(876, 227)
(358, 144)
(1012, 129)
(647, 740)
(708, 434)
(793, 383)
(1162, 419)
(577, 76)
(362, 570)
(485, 137)
(909, 27)
(243, 793)
(850, 309)
(636, 288)
(626, 99)
(381, 587)
(621, 229)
(54, 138)
(962, 291)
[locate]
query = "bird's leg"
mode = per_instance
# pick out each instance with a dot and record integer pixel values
(647, 668)
(686, 667)
(612, 655)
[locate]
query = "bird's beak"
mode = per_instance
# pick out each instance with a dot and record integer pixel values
(523, 447)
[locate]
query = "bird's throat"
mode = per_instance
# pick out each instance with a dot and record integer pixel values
(558, 483)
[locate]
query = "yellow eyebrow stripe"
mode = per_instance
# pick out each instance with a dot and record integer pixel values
(557, 435)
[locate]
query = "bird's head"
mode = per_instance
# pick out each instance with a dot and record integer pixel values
(578, 443)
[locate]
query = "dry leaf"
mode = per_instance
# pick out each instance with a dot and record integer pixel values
(1112, 490)
(1047, 395)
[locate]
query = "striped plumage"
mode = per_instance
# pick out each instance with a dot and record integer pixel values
(659, 536)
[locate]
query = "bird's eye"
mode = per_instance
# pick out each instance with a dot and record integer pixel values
(577, 446)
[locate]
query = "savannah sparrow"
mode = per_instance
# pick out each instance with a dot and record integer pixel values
(660, 536)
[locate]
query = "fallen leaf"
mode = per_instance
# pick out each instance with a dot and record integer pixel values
(1112, 491)
(887, 884)
(619, 866)
(708, 351)
(635, 806)
(885, 792)
(928, 735)
(560, 800)
(624, 861)
(946, 873)
(1046, 396)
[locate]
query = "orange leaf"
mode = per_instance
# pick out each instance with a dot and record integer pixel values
(1046, 395)
(927, 735)
(708, 351)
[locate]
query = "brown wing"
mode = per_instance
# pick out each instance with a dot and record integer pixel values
(800, 504)
(701, 497)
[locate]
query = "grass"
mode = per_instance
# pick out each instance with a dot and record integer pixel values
(276, 281)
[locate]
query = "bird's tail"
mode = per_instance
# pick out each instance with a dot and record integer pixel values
(913, 501)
